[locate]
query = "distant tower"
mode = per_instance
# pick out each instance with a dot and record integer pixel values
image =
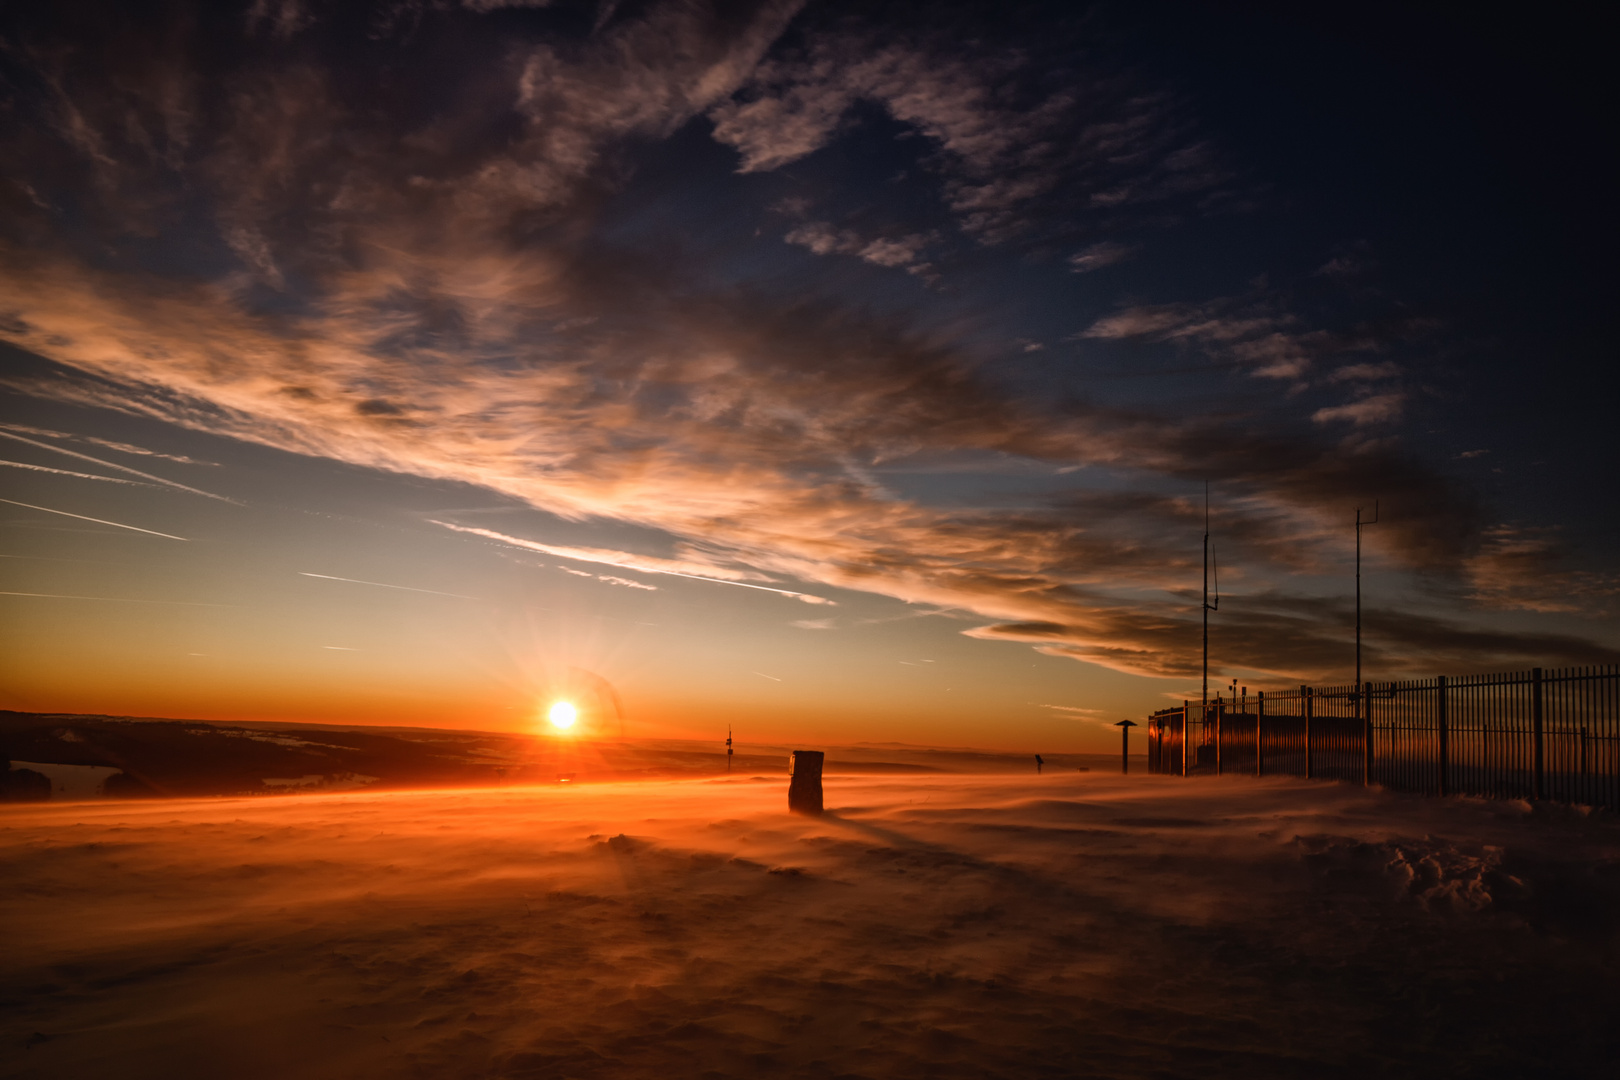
(729, 751)
(1203, 704)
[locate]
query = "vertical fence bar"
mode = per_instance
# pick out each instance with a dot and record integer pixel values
(1366, 734)
(1186, 733)
(1259, 745)
(1441, 723)
(1536, 724)
(1305, 710)
(1538, 733)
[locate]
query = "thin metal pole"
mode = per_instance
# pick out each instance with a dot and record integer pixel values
(1535, 720)
(1305, 707)
(1186, 720)
(1125, 746)
(1442, 725)
(1203, 696)
(1366, 735)
(1362, 704)
(1259, 719)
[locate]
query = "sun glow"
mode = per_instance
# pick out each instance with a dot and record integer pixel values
(562, 716)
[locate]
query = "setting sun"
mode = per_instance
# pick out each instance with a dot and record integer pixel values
(685, 538)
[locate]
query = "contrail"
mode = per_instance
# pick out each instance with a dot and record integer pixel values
(806, 597)
(98, 521)
(627, 563)
(117, 600)
(385, 585)
(114, 465)
(80, 475)
(762, 675)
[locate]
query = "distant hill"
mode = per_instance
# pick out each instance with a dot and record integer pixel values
(192, 757)
(189, 758)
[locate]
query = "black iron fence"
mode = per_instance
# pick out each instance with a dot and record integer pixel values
(1524, 734)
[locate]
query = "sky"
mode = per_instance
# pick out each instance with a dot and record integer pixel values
(832, 371)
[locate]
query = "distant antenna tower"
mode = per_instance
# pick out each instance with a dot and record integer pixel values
(1359, 526)
(1203, 715)
(728, 748)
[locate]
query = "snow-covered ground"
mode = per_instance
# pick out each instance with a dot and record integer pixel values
(1075, 924)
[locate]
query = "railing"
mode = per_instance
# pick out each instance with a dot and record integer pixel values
(1528, 734)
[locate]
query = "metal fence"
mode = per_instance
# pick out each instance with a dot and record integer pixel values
(1523, 734)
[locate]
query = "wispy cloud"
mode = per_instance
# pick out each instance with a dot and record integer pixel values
(1259, 335)
(442, 304)
(98, 521)
(626, 582)
(110, 444)
(384, 585)
(1528, 569)
(643, 563)
(1366, 372)
(78, 475)
(1073, 710)
(1098, 255)
(822, 239)
(1267, 342)
(1372, 409)
(1004, 139)
(112, 465)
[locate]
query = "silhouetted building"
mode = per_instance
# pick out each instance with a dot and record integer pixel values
(804, 785)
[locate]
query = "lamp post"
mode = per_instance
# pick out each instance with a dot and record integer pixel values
(1125, 746)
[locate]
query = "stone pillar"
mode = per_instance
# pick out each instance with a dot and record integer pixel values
(804, 787)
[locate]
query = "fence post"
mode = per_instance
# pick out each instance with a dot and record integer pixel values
(1220, 733)
(1305, 707)
(1366, 735)
(1259, 744)
(1442, 724)
(1186, 723)
(1535, 721)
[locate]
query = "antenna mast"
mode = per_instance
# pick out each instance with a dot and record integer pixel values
(1203, 715)
(1359, 526)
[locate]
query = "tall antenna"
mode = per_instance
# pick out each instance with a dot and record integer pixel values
(1359, 526)
(728, 748)
(1203, 715)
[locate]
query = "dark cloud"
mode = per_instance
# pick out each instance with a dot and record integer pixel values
(425, 275)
